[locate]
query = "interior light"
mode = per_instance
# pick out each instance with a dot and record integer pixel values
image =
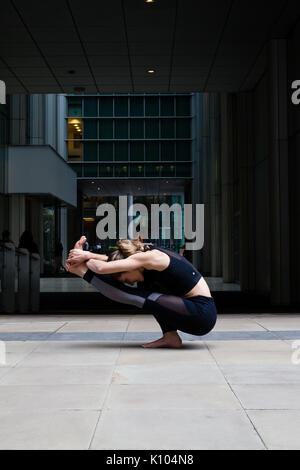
(151, 71)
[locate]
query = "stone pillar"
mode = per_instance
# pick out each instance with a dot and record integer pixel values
(247, 191)
(227, 186)
(278, 174)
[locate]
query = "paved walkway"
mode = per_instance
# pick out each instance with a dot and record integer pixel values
(84, 382)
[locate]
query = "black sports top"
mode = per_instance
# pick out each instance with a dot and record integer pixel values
(178, 278)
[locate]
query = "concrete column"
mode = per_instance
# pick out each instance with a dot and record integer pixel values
(214, 186)
(18, 121)
(247, 191)
(61, 112)
(227, 186)
(37, 119)
(16, 217)
(278, 174)
(129, 217)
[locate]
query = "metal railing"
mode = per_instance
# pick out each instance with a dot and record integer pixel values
(20, 280)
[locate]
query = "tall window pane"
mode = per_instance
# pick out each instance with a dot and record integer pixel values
(91, 107)
(166, 106)
(137, 171)
(183, 129)
(137, 129)
(167, 128)
(121, 171)
(90, 151)
(106, 106)
(90, 129)
(136, 151)
(105, 129)
(106, 151)
(137, 106)
(152, 128)
(183, 106)
(106, 171)
(183, 151)
(121, 129)
(152, 151)
(121, 151)
(121, 106)
(151, 106)
(74, 106)
(167, 151)
(90, 170)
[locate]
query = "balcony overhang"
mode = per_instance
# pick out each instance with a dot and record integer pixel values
(40, 170)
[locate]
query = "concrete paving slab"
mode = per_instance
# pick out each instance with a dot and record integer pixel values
(280, 430)
(261, 374)
(184, 373)
(160, 429)
(269, 397)
(68, 375)
(55, 430)
(189, 397)
(51, 397)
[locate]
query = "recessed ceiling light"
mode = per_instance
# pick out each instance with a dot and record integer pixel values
(93, 182)
(150, 1)
(151, 71)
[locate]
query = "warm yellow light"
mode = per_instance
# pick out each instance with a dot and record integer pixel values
(88, 219)
(149, 1)
(151, 71)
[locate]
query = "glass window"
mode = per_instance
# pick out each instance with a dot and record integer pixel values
(74, 128)
(183, 129)
(90, 170)
(121, 129)
(121, 106)
(183, 169)
(106, 151)
(106, 129)
(137, 106)
(151, 106)
(74, 106)
(152, 129)
(152, 170)
(167, 151)
(137, 129)
(106, 171)
(90, 129)
(121, 151)
(91, 107)
(74, 151)
(137, 151)
(167, 128)
(183, 151)
(183, 106)
(137, 171)
(90, 150)
(152, 151)
(77, 169)
(121, 171)
(168, 170)
(166, 106)
(106, 106)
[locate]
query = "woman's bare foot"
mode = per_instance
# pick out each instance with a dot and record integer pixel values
(169, 340)
(78, 245)
(79, 270)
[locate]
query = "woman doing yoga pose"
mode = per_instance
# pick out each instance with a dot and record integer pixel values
(169, 286)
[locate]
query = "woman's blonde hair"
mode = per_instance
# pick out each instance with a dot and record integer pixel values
(127, 248)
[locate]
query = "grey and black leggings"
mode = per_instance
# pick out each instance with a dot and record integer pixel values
(196, 316)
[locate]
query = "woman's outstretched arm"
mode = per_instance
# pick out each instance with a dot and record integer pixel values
(139, 260)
